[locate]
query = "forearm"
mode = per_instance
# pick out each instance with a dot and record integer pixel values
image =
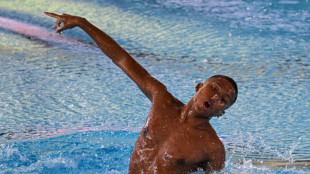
(108, 45)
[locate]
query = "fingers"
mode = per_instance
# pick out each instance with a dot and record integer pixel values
(57, 24)
(59, 30)
(54, 15)
(64, 19)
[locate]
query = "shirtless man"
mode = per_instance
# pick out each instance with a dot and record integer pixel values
(177, 137)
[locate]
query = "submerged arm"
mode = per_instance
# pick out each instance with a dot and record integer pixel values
(147, 84)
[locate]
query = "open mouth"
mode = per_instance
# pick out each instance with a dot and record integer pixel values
(206, 105)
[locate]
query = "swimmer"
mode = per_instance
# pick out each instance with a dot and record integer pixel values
(177, 137)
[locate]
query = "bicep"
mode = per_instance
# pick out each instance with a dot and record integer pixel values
(146, 83)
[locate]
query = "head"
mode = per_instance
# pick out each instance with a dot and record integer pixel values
(215, 95)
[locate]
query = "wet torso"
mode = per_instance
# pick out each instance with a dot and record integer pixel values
(165, 145)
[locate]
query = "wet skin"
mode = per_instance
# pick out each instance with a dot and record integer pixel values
(177, 137)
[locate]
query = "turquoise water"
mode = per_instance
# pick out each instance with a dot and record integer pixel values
(65, 107)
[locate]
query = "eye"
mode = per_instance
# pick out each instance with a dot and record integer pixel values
(214, 88)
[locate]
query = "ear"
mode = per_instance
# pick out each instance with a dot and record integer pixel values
(199, 85)
(220, 114)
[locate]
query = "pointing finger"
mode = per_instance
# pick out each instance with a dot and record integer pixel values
(54, 15)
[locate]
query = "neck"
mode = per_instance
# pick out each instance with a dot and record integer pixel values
(191, 118)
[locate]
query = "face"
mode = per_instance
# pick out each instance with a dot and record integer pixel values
(213, 97)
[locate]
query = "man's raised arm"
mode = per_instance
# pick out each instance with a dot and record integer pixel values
(147, 84)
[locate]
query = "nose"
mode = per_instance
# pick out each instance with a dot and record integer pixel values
(215, 97)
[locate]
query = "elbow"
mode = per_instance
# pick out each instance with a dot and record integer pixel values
(121, 60)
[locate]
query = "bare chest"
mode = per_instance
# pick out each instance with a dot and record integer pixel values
(176, 147)
(165, 145)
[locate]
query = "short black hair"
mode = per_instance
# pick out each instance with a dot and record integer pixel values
(232, 81)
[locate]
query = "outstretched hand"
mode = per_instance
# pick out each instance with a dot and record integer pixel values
(67, 21)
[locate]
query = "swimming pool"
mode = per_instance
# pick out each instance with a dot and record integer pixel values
(65, 107)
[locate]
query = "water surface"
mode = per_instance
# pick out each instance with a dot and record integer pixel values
(62, 100)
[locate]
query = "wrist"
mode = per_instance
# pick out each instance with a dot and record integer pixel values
(81, 21)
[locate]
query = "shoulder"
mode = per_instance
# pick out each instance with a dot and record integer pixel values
(218, 148)
(165, 106)
(217, 155)
(165, 98)
(214, 145)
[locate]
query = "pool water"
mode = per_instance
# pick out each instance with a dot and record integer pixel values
(65, 107)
